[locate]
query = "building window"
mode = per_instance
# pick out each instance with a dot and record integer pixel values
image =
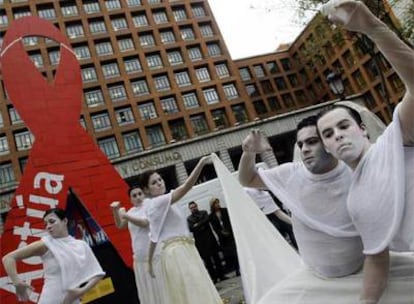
(14, 116)
(194, 53)
(126, 44)
(230, 91)
(4, 145)
(6, 174)
(259, 107)
(252, 90)
(288, 100)
(154, 1)
(198, 11)
(132, 3)
(169, 105)
(147, 111)
(36, 59)
(47, 13)
(190, 100)
(211, 96)
(154, 61)
(280, 83)
(110, 70)
(213, 49)
(222, 70)
(155, 136)
(147, 40)
(21, 13)
(1, 121)
(32, 40)
(206, 30)
(272, 67)
(124, 116)
(182, 79)
(24, 140)
(119, 24)
(97, 27)
(219, 118)
(274, 104)
(396, 83)
(69, 10)
(101, 122)
(293, 79)
(82, 52)
(162, 83)
(132, 142)
(199, 124)
(109, 146)
(91, 7)
(202, 74)
(267, 87)
(74, 31)
(89, 74)
(287, 66)
(160, 17)
(359, 79)
(94, 98)
(104, 48)
(140, 87)
(112, 5)
(259, 71)
(140, 20)
(245, 74)
(167, 37)
(174, 57)
(178, 129)
(240, 113)
(187, 33)
(117, 92)
(179, 14)
(132, 65)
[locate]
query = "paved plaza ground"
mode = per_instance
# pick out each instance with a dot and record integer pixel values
(231, 290)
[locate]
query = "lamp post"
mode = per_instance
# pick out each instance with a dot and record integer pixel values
(336, 84)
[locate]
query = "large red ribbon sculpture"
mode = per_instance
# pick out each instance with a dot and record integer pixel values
(63, 154)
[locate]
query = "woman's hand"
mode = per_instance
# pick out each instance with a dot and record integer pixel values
(115, 205)
(23, 291)
(72, 295)
(255, 142)
(122, 213)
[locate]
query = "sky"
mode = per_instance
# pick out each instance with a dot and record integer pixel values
(253, 27)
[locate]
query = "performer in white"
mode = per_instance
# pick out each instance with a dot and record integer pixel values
(136, 221)
(381, 197)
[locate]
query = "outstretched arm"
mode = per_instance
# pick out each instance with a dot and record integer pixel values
(119, 222)
(355, 16)
(254, 143)
(283, 216)
(182, 190)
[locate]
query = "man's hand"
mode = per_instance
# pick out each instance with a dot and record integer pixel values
(23, 290)
(255, 142)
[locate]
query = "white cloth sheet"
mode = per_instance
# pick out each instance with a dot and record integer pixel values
(263, 200)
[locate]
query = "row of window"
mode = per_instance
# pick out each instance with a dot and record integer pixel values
(260, 72)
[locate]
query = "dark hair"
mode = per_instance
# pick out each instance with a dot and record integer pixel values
(136, 186)
(192, 202)
(352, 112)
(309, 121)
(59, 212)
(144, 178)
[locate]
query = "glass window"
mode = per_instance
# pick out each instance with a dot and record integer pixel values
(280, 83)
(147, 40)
(69, 10)
(1, 121)
(198, 11)
(126, 44)
(194, 53)
(169, 105)
(178, 129)
(182, 79)
(132, 3)
(14, 116)
(140, 20)
(112, 5)
(240, 113)
(6, 174)
(110, 70)
(252, 90)
(89, 74)
(154, 1)
(91, 7)
(274, 103)
(160, 17)
(174, 57)
(24, 140)
(117, 92)
(132, 142)
(104, 48)
(36, 59)
(124, 116)
(140, 87)
(3, 19)
(222, 70)
(155, 135)
(101, 122)
(21, 13)
(97, 27)
(162, 83)
(199, 124)
(219, 118)
(32, 40)
(4, 145)
(82, 52)
(230, 91)
(119, 23)
(167, 37)
(47, 13)
(206, 30)
(190, 100)
(132, 65)
(187, 33)
(211, 96)
(154, 61)
(94, 98)
(179, 14)
(74, 31)
(202, 74)
(109, 146)
(147, 111)
(272, 67)
(287, 66)
(259, 71)
(213, 49)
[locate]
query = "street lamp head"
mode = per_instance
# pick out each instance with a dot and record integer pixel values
(336, 84)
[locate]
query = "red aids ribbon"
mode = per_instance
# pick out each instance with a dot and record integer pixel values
(63, 154)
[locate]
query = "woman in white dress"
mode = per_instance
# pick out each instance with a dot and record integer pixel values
(180, 272)
(68, 263)
(138, 226)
